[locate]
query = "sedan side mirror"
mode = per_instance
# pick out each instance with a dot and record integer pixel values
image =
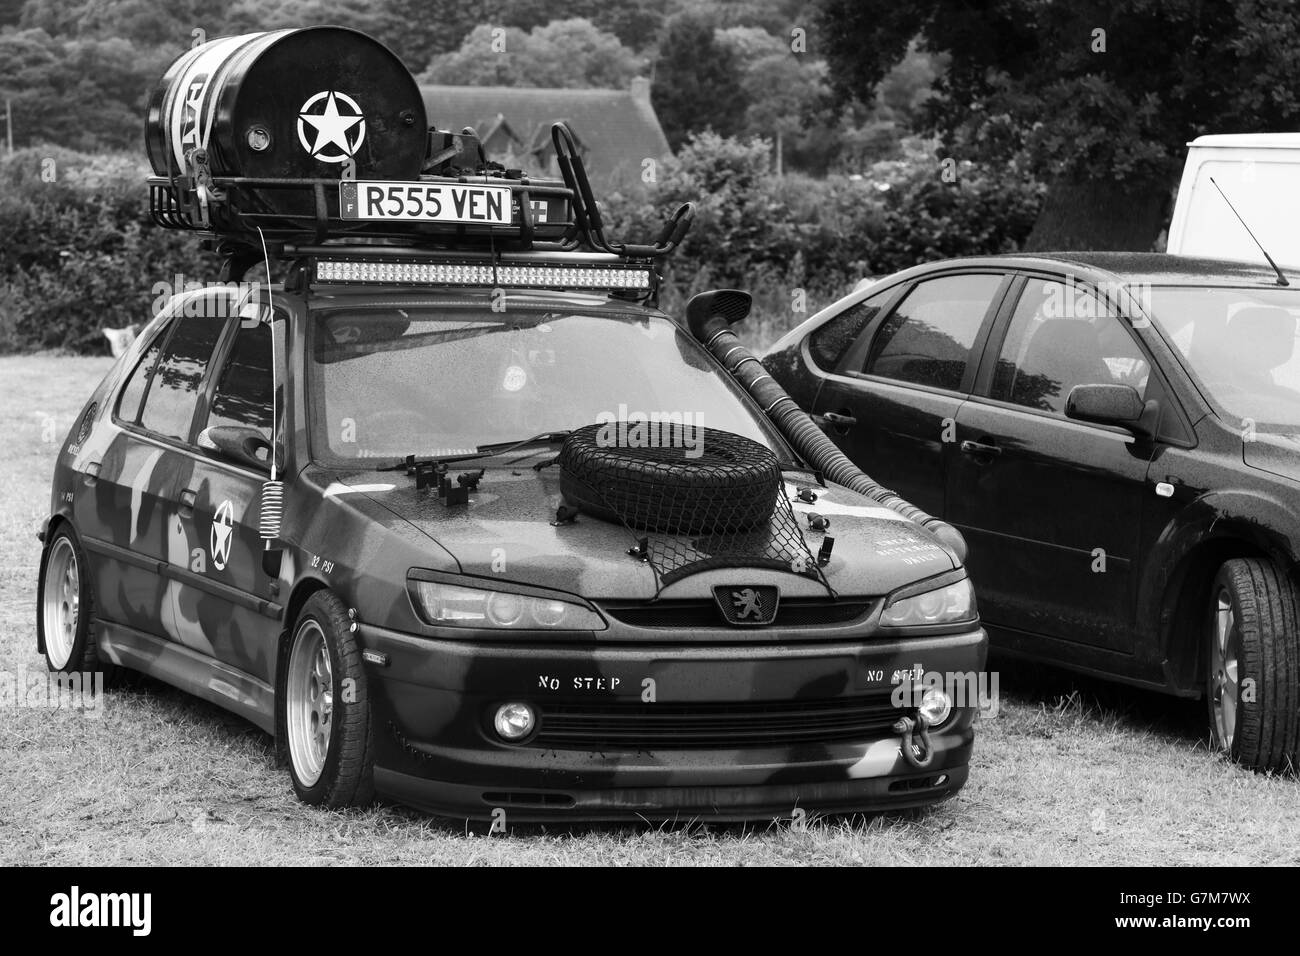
(1106, 405)
(238, 443)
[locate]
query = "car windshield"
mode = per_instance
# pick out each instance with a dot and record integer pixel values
(1242, 346)
(386, 383)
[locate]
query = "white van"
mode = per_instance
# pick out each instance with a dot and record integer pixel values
(1260, 173)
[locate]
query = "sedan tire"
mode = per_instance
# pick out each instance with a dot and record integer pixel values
(65, 615)
(1253, 664)
(324, 703)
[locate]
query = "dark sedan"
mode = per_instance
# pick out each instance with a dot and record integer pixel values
(1117, 436)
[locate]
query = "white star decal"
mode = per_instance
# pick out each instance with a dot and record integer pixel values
(219, 542)
(331, 127)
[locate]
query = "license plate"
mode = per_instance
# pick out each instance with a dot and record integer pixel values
(467, 203)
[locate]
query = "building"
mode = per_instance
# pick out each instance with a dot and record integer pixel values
(616, 130)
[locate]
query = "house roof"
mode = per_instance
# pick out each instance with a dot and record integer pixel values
(618, 129)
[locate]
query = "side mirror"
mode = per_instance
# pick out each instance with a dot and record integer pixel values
(237, 443)
(1105, 405)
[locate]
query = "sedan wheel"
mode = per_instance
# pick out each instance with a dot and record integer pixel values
(325, 721)
(311, 702)
(60, 603)
(1253, 665)
(65, 611)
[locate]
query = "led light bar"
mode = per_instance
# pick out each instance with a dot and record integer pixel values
(505, 274)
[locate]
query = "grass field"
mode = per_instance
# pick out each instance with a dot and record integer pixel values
(1069, 772)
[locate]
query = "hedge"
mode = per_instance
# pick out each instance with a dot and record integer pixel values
(78, 253)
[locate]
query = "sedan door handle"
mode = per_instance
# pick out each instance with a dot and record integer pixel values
(980, 450)
(186, 502)
(834, 419)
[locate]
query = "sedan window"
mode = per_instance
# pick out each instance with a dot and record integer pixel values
(1243, 345)
(128, 405)
(930, 338)
(1060, 336)
(829, 343)
(243, 395)
(174, 389)
(503, 377)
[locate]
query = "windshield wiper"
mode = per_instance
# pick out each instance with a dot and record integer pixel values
(482, 451)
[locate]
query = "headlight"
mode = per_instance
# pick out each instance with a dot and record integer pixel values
(945, 605)
(451, 605)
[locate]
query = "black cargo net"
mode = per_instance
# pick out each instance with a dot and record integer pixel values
(693, 498)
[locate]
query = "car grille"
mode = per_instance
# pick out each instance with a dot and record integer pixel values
(791, 612)
(682, 726)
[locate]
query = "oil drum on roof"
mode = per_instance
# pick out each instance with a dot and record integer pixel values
(290, 104)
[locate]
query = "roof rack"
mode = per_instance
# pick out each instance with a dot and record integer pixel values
(355, 166)
(488, 208)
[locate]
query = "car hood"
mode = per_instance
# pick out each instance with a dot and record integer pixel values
(1274, 452)
(506, 532)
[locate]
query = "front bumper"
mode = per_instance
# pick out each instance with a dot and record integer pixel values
(435, 749)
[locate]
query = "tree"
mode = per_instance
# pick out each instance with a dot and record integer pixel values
(774, 16)
(83, 93)
(145, 22)
(1099, 99)
(245, 16)
(577, 53)
(418, 30)
(785, 97)
(10, 12)
(563, 53)
(698, 81)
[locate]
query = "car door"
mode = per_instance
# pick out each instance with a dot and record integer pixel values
(892, 404)
(120, 507)
(1052, 507)
(225, 604)
(125, 523)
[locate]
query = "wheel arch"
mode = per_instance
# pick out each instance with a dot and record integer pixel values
(49, 528)
(1186, 591)
(298, 597)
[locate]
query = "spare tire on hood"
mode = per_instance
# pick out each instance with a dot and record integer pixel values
(721, 483)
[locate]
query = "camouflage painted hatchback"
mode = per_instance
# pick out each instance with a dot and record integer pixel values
(461, 517)
(452, 632)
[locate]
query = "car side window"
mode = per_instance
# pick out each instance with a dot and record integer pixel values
(243, 395)
(829, 343)
(930, 337)
(128, 403)
(1062, 335)
(174, 390)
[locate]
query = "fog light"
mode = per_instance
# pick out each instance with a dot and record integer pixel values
(514, 721)
(935, 706)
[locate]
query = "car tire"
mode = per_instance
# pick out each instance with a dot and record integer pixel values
(731, 486)
(1253, 664)
(65, 614)
(324, 702)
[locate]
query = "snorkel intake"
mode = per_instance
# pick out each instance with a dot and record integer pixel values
(710, 316)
